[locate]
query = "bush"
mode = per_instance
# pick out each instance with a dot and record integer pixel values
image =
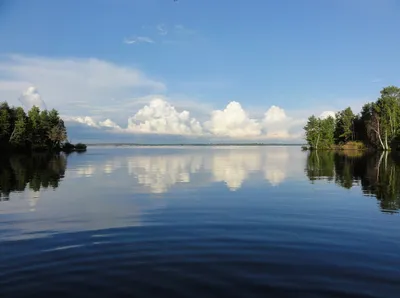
(80, 147)
(353, 146)
(68, 147)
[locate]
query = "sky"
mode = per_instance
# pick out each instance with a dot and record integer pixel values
(191, 70)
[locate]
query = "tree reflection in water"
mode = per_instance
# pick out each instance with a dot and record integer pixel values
(378, 174)
(37, 171)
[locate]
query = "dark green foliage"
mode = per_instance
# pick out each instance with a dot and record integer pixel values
(320, 166)
(377, 174)
(80, 147)
(37, 171)
(320, 132)
(39, 130)
(377, 126)
(344, 129)
(5, 123)
(68, 147)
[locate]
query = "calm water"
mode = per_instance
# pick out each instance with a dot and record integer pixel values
(200, 222)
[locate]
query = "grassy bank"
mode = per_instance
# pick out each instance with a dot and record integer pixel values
(352, 145)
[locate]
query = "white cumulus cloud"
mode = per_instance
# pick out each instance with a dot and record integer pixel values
(233, 121)
(327, 114)
(276, 123)
(109, 123)
(89, 121)
(161, 117)
(31, 97)
(275, 114)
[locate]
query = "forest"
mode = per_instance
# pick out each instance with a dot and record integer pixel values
(35, 131)
(377, 126)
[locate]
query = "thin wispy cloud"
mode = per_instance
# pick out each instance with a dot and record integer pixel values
(139, 39)
(162, 30)
(179, 34)
(183, 30)
(377, 80)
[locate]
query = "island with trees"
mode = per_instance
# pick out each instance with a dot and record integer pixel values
(35, 131)
(376, 127)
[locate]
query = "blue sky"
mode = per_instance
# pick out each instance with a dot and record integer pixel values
(99, 60)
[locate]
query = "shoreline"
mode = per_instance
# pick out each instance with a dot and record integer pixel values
(189, 145)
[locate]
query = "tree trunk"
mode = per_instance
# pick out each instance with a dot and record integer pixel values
(12, 135)
(380, 139)
(386, 160)
(386, 142)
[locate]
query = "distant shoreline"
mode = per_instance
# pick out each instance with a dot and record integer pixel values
(189, 145)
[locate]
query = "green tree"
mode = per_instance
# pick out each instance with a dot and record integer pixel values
(57, 133)
(44, 128)
(327, 132)
(391, 92)
(382, 118)
(344, 130)
(313, 132)
(320, 132)
(34, 124)
(385, 121)
(5, 123)
(20, 135)
(377, 125)
(37, 130)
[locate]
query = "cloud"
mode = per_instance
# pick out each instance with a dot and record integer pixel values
(280, 126)
(276, 123)
(275, 114)
(76, 86)
(139, 39)
(233, 121)
(83, 120)
(276, 165)
(30, 98)
(89, 121)
(161, 117)
(234, 166)
(159, 173)
(114, 100)
(180, 29)
(326, 114)
(156, 171)
(161, 29)
(109, 123)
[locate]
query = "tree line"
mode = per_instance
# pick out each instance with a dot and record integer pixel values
(376, 126)
(36, 130)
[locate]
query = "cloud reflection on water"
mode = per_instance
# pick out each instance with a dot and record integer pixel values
(157, 170)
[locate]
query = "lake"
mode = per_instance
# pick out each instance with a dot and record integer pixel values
(200, 222)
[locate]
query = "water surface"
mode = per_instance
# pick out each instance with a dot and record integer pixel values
(200, 222)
